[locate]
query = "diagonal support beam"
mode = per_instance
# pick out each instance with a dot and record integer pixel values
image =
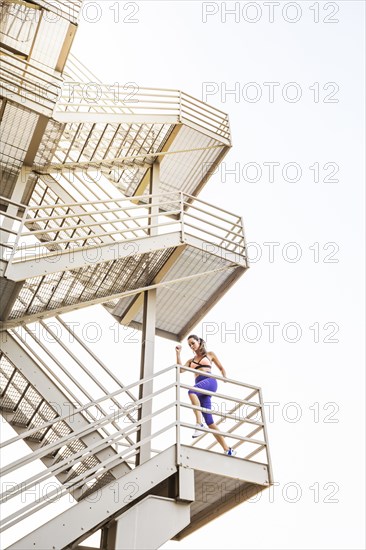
(89, 515)
(28, 367)
(67, 166)
(128, 315)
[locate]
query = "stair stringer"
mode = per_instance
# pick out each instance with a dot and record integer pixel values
(91, 514)
(46, 387)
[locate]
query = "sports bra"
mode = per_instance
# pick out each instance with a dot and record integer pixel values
(199, 364)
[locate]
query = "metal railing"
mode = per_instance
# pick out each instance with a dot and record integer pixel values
(49, 230)
(130, 99)
(66, 9)
(170, 426)
(28, 82)
(18, 23)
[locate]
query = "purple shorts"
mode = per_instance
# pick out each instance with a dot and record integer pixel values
(209, 384)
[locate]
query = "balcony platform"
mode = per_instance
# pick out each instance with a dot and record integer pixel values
(65, 256)
(181, 302)
(220, 484)
(97, 454)
(159, 477)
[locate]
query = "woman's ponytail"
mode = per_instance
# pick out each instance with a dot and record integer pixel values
(202, 349)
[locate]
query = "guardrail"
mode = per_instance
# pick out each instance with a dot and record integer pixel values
(48, 230)
(19, 23)
(170, 425)
(66, 9)
(28, 83)
(130, 99)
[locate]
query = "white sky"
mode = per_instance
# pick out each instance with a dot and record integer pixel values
(171, 47)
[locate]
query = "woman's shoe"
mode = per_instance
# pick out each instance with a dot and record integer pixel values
(197, 432)
(230, 452)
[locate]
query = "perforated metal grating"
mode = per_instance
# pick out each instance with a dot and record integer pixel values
(82, 285)
(18, 24)
(180, 304)
(68, 450)
(184, 171)
(102, 480)
(52, 433)
(27, 406)
(30, 408)
(13, 393)
(87, 463)
(68, 9)
(88, 142)
(16, 130)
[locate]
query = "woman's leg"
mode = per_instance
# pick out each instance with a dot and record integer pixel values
(211, 385)
(219, 437)
(195, 401)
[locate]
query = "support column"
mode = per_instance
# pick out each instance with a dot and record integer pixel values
(16, 196)
(148, 334)
(9, 289)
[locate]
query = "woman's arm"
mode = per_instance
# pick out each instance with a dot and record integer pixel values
(179, 360)
(217, 363)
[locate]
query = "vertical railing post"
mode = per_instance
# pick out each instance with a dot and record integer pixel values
(148, 331)
(265, 433)
(17, 238)
(181, 216)
(177, 417)
(180, 106)
(245, 243)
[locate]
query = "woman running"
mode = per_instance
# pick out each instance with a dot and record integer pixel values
(202, 363)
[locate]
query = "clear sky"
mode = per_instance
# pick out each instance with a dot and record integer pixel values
(297, 69)
(310, 57)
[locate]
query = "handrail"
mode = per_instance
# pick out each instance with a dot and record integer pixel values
(29, 81)
(164, 101)
(62, 231)
(164, 404)
(68, 9)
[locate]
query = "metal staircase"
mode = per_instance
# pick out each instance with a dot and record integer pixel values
(99, 207)
(95, 454)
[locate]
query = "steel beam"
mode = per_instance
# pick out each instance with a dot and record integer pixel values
(114, 118)
(89, 515)
(148, 334)
(77, 258)
(216, 464)
(55, 397)
(150, 523)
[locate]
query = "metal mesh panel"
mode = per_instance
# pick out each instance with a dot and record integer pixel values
(18, 25)
(44, 414)
(90, 142)
(100, 482)
(27, 406)
(58, 430)
(49, 143)
(188, 298)
(184, 171)
(68, 9)
(13, 392)
(16, 131)
(69, 450)
(3, 381)
(49, 41)
(123, 305)
(81, 285)
(6, 368)
(84, 466)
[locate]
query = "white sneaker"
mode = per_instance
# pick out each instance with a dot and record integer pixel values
(197, 432)
(230, 452)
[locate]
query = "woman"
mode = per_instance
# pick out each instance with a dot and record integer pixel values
(202, 361)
